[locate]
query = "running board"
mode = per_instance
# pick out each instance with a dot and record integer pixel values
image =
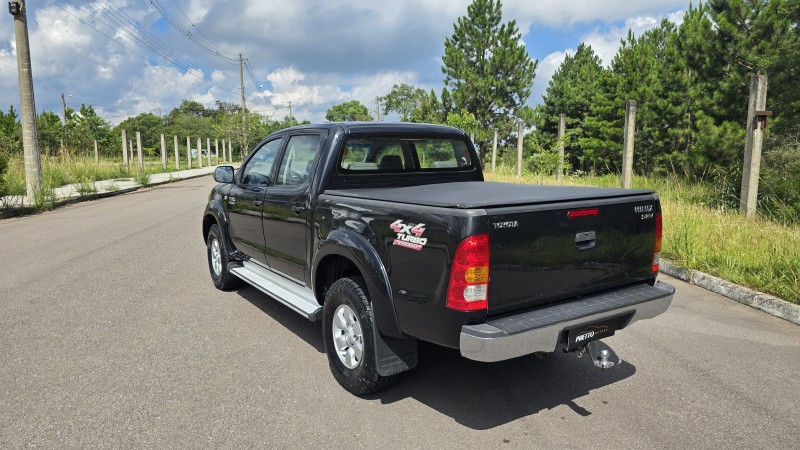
(299, 298)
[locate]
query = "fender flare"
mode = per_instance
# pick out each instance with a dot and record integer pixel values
(359, 251)
(216, 211)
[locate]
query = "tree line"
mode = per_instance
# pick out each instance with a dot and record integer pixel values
(76, 135)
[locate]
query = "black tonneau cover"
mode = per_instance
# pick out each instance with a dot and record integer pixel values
(479, 194)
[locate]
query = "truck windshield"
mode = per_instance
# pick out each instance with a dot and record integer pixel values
(403, 154)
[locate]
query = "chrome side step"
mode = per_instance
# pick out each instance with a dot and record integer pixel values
(299, 298)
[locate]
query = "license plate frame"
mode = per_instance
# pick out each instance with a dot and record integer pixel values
(580, 335)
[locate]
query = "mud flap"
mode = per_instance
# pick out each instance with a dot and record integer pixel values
(394, 355)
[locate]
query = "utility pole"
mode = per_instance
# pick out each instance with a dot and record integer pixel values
(27, 103)
(756, 122)
(377, 109)
(64, 107)
(244, 108)
(290, 109)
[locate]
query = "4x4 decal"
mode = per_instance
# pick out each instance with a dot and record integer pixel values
(409, 235)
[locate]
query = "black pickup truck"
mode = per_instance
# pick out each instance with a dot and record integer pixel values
(388, 234)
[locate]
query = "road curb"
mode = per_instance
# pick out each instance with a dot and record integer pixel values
(769, 304)
(72, 200)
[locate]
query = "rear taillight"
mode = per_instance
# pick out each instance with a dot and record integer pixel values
(657, 249)
(469, 277)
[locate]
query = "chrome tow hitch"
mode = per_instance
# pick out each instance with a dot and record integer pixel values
(603, 359)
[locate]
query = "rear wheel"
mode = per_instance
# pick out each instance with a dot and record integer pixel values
(218, 261)
(348, 337)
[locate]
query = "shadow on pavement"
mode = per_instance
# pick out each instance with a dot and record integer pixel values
(477, 395)
(486, 395)
(310, 332)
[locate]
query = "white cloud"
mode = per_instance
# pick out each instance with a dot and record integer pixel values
(309, 53)
(572, 12)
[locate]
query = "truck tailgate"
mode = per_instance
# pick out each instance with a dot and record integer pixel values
(549, 252)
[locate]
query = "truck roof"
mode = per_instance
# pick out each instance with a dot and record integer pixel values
(383, 127)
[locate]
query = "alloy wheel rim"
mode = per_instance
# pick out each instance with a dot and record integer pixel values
(348, 337)
(216, 257)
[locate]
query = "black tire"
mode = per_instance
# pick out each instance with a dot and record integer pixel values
(223, 279)
(363, 378)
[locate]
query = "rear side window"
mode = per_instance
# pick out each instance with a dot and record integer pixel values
(403, 154)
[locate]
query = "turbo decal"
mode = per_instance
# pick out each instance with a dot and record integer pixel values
(409, 235)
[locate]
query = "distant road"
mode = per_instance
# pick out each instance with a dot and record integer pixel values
(112, 335)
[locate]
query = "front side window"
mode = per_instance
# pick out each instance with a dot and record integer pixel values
(298, 159)
(403, 154)
(259, 167)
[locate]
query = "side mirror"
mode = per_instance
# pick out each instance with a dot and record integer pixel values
(223, 174)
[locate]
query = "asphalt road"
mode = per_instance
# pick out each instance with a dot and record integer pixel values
(112, 335)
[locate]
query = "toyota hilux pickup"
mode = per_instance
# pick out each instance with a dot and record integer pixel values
(387, 234)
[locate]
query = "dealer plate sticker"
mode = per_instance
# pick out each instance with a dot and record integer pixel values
(583, 334)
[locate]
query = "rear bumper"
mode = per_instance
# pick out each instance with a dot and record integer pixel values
(541, 330)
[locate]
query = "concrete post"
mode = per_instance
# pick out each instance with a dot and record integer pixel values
(216, 149)
(199, 153)
(562, 127)
(130, 149)
(96, 153)
(494, 150)
(139, 151)
(230, 151)
(163, 153)
(125, 150)
(627, 145)
(27, 102)
(177, 153)
(520, 131)
(752, 146)
(208, 149)
(189, 151)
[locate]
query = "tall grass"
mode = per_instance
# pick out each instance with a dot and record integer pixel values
(701, 233)
(57, 172)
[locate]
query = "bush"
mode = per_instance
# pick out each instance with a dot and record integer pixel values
(779, 192)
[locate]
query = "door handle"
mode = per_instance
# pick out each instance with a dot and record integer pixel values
(257, 203)
(298, 208)
(585, 240)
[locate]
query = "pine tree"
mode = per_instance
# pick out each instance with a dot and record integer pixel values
(486, 67)
(572, 91)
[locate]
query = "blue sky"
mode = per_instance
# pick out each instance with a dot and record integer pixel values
(124, 57)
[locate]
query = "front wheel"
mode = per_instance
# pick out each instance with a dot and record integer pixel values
(349, 339)
(218, 261)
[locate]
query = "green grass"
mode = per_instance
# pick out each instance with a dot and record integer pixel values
(700, 234)
(57, 172)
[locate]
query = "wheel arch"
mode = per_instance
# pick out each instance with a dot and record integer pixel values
(215, 214)
(345, 253)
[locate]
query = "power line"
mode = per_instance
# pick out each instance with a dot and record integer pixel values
(200, 43)
(118, 22)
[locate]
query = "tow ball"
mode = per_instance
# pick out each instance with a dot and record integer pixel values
(603, 359)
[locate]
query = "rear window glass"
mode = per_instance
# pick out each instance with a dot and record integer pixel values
(403, 154)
